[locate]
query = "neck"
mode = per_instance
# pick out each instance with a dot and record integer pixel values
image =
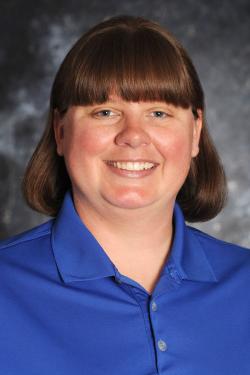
(129, 232)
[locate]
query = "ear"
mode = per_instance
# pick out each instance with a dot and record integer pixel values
(58, 126)
(197, 133)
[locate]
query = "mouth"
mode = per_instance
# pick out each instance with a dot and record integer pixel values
(132, 165)
(132, 169)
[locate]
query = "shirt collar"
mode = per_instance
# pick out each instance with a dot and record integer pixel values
(77, 253)
(187, 253)
(80, 257)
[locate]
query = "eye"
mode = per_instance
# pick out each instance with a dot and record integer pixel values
(105, 113)
(160, 114)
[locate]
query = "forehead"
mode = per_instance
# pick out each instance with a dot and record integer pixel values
(140, 67)
(115, 99)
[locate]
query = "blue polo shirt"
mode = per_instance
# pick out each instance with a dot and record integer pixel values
(65, 309)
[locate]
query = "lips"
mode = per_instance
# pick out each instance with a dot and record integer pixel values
(132, 168)
(131, 165)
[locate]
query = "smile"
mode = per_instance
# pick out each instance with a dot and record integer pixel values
(131, 166)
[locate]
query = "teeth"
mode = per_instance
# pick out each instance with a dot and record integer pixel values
(131, 166)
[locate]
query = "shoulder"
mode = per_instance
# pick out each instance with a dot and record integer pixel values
(213, 242)
(222, 255)
(28, 237)
(27, 258)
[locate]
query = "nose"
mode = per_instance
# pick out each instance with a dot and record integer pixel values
(132, 134)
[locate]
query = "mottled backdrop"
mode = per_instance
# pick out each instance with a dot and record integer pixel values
(35, 35)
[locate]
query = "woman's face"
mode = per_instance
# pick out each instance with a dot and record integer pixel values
(127, 154)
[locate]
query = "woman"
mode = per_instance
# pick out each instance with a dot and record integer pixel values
(117, 283)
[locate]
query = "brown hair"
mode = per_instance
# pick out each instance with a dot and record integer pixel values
(139, 60)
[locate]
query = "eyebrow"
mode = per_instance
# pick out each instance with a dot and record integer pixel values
(110, 101)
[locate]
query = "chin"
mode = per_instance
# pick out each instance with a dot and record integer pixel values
(130, 199)
(130, 204)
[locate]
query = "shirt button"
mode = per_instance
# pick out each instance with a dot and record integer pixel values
(162, 345)
(154, 306)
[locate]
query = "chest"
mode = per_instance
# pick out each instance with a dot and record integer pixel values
(103, 326)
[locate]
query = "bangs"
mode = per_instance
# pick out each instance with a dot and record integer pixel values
(139, 65)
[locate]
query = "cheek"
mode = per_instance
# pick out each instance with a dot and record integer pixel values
(87, 143)
(82, 149)
(175, 146)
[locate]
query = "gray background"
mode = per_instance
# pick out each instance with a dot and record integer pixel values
(34, 39)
